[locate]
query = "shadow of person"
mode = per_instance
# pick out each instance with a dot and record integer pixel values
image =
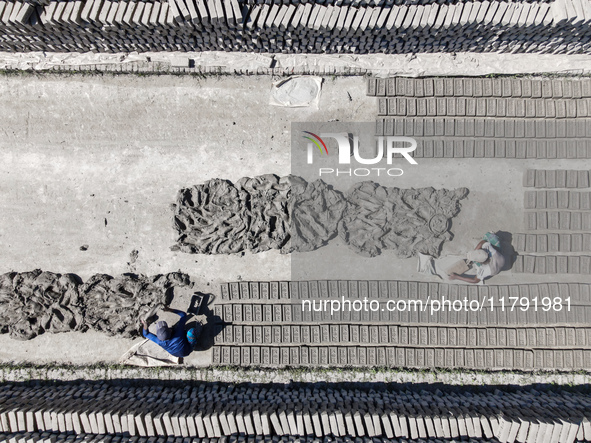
(507, 249)
(211, 327)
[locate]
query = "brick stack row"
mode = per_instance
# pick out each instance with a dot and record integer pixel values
(269, 412)
(355, 27)
(517, 118)
(557, 223)
(412, 324)
(554, 243)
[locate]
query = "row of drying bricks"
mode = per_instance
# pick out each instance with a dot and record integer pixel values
(566, 88)
(50, 437)
(241, 419)
(425, 336)
(183, 36)
(556, 178)
(544, 243)
(311, 302)
(351, 21)
(495, 148)
(557, 199)
(291, 292)
(96, 15)
(552, 264)
(346, 413)
(484, 107)
(463, 18)
(571, 308)
(344, 19)
(470, 17)
(317, 17)
(555, 220)
(485, 128)
(401, 357)
(558, 220)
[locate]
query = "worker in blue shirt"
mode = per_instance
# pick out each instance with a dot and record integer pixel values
(175, 340)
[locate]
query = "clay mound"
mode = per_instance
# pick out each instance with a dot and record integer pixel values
(254, 215)
(407, 221)
(267, 203)
(115, 305)
(211, 218)
(267, 212)
(315, 211)
(35, 302)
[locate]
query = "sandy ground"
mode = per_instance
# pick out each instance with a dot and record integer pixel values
(97, 161)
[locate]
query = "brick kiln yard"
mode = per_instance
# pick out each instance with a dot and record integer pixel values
(96, 161)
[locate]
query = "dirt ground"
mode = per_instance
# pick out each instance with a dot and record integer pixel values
(97, 161)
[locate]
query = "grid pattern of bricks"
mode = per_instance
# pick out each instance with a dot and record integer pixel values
(503, 128)
(410, 357)
(278, 413)
(560, 199)
(480, 87)
(484, 107)
(556, 178)
(553, 264)
(492, 138)
(552, 243)
(568, 211)
(487, 118)
(266, 324)
(558, 221)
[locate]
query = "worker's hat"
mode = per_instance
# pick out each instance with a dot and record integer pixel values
(192, 336)
(162, 330)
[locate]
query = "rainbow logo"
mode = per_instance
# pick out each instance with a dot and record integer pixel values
(316, 142)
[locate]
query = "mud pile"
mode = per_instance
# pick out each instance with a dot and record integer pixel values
(35, 302)
(256, 214)
(315, 211)
(266, 199)
(292, 215)
(114, 305)
(407, 221)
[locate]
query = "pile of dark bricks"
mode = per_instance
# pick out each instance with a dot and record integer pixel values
(281, 26)
(487, 117)
(205, 411)
(264, 324)
(557, 223)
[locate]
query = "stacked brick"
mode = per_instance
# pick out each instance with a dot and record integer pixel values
(555, 206)
(487, 117)
(32, 303)
(268, 324)
(556, 178)
(552, 243)
(46, 437)
(355, 26)
(553, 264)
(279, 413)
